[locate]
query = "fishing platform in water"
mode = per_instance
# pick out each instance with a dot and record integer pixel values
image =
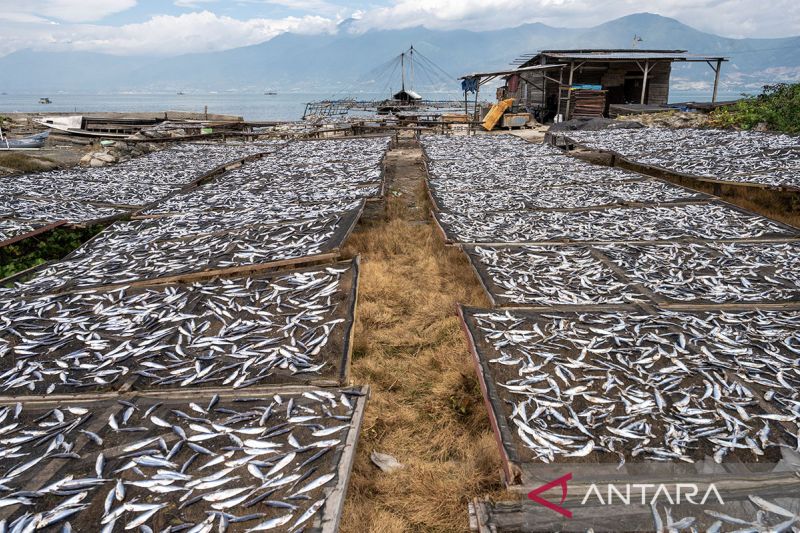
(404, 100)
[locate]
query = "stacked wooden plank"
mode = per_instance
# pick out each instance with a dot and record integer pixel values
(640, 334)
(587, 103)
(172, 373)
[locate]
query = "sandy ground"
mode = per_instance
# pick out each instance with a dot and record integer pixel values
(426, 408)
(48, 158)
(534, 135)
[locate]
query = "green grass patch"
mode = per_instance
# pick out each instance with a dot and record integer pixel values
(49, 246)
(777, 107)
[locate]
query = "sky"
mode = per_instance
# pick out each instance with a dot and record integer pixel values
(173, 27)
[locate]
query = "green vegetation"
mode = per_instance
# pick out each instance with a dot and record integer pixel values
(48, 246)
(778, 108)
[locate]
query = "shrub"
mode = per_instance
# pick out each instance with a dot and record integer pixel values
(52, 245)
(777, 107)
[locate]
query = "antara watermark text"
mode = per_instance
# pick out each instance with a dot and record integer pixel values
(627, 494)
(650, 493)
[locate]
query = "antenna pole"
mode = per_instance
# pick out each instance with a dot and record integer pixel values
(411, 64)
(403, 71)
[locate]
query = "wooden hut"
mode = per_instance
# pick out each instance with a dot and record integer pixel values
(591, 82)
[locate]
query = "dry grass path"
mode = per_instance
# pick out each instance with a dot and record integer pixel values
(426, 407)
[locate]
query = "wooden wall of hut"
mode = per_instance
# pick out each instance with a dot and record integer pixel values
(615, 77)
(621, 80)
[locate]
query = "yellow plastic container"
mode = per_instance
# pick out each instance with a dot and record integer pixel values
(495, 113)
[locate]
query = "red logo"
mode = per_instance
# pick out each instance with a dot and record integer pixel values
(562, 481)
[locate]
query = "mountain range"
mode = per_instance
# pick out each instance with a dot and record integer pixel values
(349, 63)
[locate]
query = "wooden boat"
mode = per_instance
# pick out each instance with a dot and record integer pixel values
(45, 101)
(25, 143)
(112, 128)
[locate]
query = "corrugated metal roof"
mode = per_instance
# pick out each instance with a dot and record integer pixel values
(629, 55)
(510, 71)
(609, 50)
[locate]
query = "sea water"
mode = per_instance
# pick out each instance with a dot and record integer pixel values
(283, 106)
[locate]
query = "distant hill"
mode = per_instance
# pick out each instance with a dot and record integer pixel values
(346, 62)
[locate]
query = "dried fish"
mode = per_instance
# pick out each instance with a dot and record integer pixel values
(711, 272)
(549, 275)
(657, 387)
(712, 221)
(233, 332)
(135, 251)
(137, 497)
(563, 197)
(89, 194)
(737, 156)
(318, 172)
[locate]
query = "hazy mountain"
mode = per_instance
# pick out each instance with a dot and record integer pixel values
(346, 63)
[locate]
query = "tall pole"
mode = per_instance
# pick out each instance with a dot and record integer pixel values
(403, 71)
(411, 65)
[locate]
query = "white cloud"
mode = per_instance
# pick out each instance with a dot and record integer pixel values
(734, 18)
(164, 34)
(193, 3)
(72, 24)
(319, 6)
(65, 10)
(21, 18)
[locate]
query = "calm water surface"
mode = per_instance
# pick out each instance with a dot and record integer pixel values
(287, 106)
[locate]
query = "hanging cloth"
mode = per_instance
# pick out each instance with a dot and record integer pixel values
(469, 85)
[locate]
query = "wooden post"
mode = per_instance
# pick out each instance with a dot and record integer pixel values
(571, 72)
(544, 94)
(525, 91)
(716, 81)
(644, 79)
(560, 87)
(477, 90)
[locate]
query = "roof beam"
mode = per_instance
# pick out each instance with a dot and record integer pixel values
(511, 71)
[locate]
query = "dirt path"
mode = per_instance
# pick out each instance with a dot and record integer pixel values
(426, 407)
(407, 175)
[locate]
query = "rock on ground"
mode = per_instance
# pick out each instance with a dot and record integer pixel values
(669, 119)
